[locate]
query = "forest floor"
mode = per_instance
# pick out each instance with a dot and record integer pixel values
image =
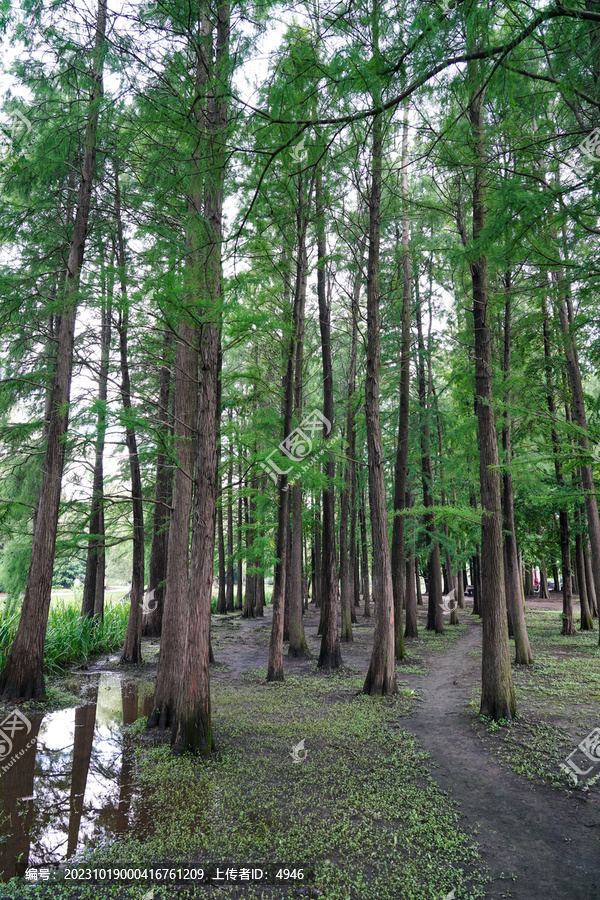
(406, 798)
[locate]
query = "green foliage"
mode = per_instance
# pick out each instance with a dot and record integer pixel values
(69, 638)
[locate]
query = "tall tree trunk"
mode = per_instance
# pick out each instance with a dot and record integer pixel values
(543, 580)
(362, 514)
(381, 677)
(221, 597)
(568, 624)
(157, 568)
(295, 631)
(587, 478)
(585, 623)
(92, 603)
(349, 489)
(330, 655)
(411, 629)
(230, 592)
(22, 676)
(497, 689)
(401, 469)
(132, 649)
(523, 654)
(589, 581)
(435, 613)
(280, 586)
(239, 601)
(193, 730)
(318, 576)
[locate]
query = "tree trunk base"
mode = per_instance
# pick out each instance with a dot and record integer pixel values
(330, 659)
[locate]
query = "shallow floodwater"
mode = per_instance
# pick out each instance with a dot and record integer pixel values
(72, 786)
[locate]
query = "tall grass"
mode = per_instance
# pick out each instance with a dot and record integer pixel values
(69, 638)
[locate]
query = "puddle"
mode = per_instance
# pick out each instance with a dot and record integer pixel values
(71, 785)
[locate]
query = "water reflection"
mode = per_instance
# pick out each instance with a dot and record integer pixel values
(72, 787)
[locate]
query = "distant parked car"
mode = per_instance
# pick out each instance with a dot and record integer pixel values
(469, 590)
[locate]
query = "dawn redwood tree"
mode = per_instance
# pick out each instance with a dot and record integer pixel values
(22, 676)
(401, 468)
(497, 689)
(523, 655)
(163, 486)
(435, 613)
(192, 728)
(132, 649)
(92, 603)
(381, 677)
(568, 624)
(330, 656)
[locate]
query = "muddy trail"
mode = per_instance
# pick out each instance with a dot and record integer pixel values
(536, 840)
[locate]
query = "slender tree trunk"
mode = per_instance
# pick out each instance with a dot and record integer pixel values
(157, 568)
(22, 676)
(585, 623)
(295, 630)
(523, 654)
(318, 579)
(435, 613)
(239, 603)
(381, 677)
(589, 581)
(93, 587)
(543, 580)
(330, 656)
(401, 468)
(132, 649)
(418, 581)
(365, 558)
(568, 624)
(221, 597)
(346, 564)
(411, 629)
(587, 478)
(230, 592)
(497, 690)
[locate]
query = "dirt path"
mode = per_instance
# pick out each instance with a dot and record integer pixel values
(549, 841)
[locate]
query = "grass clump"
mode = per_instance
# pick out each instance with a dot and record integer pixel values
(70, 638)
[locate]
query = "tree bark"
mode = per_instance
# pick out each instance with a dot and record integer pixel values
(193, 729)
(381, 677)
(92, 603)
(523, 654)
(365, 558)
(157, 568)
(330, 656)
(435, 613)
(497, 690)
(132, 649)
(22, 676)
(401, 468)
(568, 624)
